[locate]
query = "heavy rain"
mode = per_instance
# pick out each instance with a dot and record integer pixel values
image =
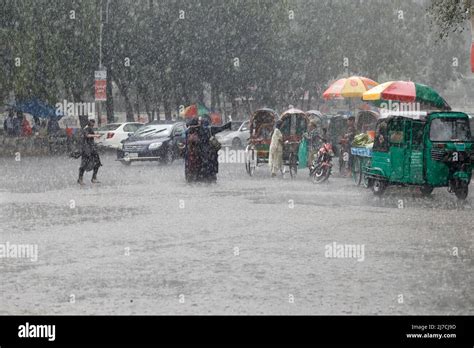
(236, 157)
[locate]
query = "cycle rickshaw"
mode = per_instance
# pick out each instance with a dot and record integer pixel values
(294, 124)
(261, 125)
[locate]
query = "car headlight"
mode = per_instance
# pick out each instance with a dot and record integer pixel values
(154, 146)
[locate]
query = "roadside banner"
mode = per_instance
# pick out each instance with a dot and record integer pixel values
(100, 85)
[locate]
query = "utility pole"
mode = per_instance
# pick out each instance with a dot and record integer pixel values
(103, 78)
(99, 103)
(109, 103)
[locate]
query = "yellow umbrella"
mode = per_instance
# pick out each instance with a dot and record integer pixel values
(374, 93)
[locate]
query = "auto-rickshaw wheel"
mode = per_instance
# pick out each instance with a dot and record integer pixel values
(356, 171)
(379, 187)
(461, 191)
(426, 190)
(366, 181)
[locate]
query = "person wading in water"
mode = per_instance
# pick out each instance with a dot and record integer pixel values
(89, 156)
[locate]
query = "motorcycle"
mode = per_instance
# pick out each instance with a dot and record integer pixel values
(321, 165)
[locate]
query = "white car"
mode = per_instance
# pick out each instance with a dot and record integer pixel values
(237, 137)
(112, 134)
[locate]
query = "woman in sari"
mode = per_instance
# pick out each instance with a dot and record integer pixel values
(192, 157)
(201, 156)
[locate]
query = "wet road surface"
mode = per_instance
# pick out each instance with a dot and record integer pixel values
(145, 242)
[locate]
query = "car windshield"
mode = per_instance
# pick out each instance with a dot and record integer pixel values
(147, 131)
(235, 126)
(108, 127)
(450, 129)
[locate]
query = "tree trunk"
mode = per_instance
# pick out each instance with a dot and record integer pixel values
(247, 106)
(472, 34)
(310, 96)
(234, 107)
(137, 106)
(123, 88)
(213, 97)
(109, 103)
(166, 101)
(167, 108)
(219, 101)
(128, 108)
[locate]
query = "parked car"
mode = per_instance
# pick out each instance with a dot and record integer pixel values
(112, 134)
(234, 126)
(153, 142)
(236, 137)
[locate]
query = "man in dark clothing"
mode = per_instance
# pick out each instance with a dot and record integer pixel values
(349, 138)
(90, 157)
(351, 129)
(17, 123)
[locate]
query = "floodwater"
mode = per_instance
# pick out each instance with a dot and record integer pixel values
(145, 242)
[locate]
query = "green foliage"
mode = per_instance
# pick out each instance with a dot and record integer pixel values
(267, 50)
(450, 15)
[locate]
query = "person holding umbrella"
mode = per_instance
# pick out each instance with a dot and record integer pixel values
(90, 159)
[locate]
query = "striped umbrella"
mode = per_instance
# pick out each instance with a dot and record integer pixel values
(351, 87)
(406, 92)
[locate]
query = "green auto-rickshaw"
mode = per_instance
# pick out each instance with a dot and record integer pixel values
(431, 151)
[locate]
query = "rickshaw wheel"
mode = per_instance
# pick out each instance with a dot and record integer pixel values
(426, 190)
(293, 164)
(461, 191)
(378, 187)
(251, 162)
(356, 171)
(341, 163)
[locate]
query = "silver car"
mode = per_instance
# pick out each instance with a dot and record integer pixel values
(236, 137)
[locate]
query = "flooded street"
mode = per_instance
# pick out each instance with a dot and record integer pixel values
(145, 242)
